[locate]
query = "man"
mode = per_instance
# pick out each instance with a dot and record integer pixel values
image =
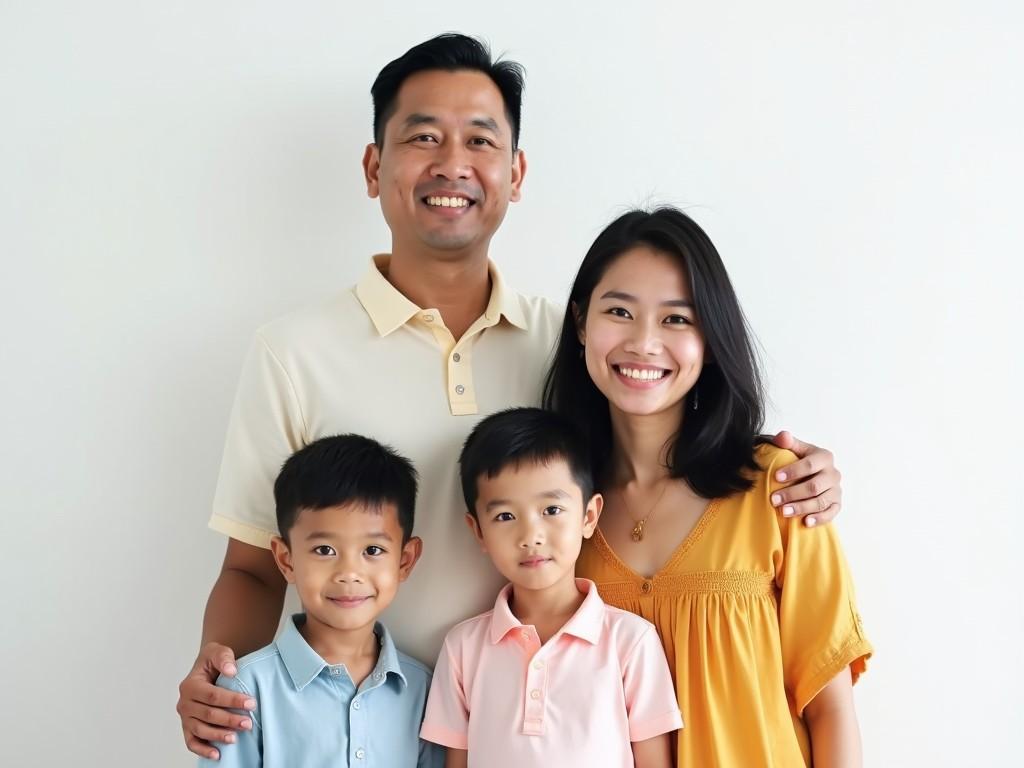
(429, 341)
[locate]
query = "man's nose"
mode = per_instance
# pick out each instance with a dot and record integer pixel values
(451, 162)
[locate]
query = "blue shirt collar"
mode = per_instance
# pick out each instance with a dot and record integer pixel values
(304, 664)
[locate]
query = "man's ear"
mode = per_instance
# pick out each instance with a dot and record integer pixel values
(518, 174)
(283, 558)
(411, 551)
(581, 329)
(592, 514)
(371, 169)
(474, 526)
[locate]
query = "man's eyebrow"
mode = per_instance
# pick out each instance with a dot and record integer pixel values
(630, 297)
(418, 118)
(487, 123)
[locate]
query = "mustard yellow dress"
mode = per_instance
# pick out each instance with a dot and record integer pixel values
(756, 613)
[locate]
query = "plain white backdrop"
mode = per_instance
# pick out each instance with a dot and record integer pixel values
(172, 175)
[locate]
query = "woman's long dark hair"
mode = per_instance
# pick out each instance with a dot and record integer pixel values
(715, 447)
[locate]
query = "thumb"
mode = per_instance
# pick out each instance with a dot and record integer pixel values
(788, 442)
(221, 659)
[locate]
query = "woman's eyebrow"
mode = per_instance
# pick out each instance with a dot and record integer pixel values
(630, 297)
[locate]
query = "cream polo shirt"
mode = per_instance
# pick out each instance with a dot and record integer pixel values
(373, 363)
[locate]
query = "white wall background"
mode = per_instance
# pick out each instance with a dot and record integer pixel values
(174, 174)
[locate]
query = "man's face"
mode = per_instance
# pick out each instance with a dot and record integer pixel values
(445, 170)
(532, 520)
(346, 563)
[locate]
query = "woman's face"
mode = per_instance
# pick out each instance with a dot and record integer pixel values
(644, 349)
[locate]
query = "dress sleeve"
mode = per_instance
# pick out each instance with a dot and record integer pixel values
(266, 427)
(247, 751)
(820, 627)
(446, 721)
(651, 705)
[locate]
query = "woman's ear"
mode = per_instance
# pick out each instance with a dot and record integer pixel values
(581, 323)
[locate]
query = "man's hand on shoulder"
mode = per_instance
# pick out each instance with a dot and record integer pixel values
(814, 492)
(204, 707)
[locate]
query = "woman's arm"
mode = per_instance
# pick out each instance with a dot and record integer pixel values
(653, 753)
(832, 722)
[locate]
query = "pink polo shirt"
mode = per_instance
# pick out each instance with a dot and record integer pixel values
(598, 684)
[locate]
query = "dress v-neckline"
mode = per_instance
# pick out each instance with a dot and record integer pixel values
(602, 545)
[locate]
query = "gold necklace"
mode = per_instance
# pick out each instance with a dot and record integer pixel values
(638, 529)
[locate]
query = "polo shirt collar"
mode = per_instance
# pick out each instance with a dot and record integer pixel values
(586, 623)
(389, 309)
(304, 664)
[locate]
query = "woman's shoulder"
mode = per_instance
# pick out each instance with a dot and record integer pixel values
(771, 458)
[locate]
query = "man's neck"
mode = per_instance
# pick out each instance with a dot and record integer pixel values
(458, 288)
(549, 609)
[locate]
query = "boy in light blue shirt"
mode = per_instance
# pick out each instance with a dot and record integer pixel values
(333, 690)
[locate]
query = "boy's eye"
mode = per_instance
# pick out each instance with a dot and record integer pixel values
(374, 551)
(553, 510)
(504, 517)
(324, 551)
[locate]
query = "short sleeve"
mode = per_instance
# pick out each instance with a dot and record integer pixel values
(247, 751)
(266, 427)
(651, 706)
(819, 625)
(446, 721)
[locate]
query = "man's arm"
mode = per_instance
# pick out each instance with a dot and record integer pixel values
(814, 492)
(242, 614)
(832, 722)
(653, 753)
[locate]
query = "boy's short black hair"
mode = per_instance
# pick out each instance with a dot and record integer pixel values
(338, 470)
(450, 52)
(518, 435)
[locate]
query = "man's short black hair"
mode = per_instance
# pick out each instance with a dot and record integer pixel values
(522, 435)
(339, 470)
(450, 52)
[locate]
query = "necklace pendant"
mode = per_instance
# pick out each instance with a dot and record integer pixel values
(638, 530)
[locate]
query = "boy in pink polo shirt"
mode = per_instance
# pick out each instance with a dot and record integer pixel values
(552, 675)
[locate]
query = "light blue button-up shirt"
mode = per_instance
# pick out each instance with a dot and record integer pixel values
(310, 714)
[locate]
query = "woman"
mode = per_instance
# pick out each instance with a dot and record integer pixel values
(755, 611)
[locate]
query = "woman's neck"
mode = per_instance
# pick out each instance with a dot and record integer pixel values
(641, 446)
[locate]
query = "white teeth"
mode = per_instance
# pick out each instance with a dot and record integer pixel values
(448, 202)
(642, 374)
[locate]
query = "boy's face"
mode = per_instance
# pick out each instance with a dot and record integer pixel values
(346, 562)
(531, 520)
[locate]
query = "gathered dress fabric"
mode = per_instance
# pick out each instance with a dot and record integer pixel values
(756, 613)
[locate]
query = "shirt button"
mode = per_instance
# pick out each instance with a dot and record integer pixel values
(456, 357)
(459, 389)
(335, 671)
(526, 635)
(429, 319)
(378, 675)
(646, 587)
(355, 705)
(534, 694)
(538, 664)
(360, 754)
